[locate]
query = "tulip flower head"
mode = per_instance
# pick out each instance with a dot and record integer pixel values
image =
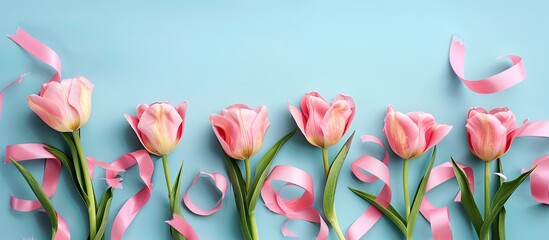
(323, 123)
(240, 130)
(63, 105)
(412, 134)
(490, 134)
(159, 126)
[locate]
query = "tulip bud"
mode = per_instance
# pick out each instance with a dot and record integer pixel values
(64, 106)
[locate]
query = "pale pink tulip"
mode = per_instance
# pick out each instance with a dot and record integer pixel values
(323, 123)
(412, 134)
(159, 126)
(490, 134)
(240, 130)
(64, 106)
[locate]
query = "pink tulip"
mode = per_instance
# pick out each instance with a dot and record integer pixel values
(240, 130)
(490, 134)
(64, 106)
(323, 124)
(159, 126)
(412, 134)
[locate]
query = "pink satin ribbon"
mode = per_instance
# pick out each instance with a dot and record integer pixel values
(221, 185)
(300, 208)
(378, 170)
(133, 205)
(539, 179)
(439, 218)
(18, 80)
(52, 169)
(493, 84)
(39, 51)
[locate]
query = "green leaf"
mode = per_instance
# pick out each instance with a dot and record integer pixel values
(501, 196)
(39, 193)
(174, 203)
(390, 211)
(235, 176)
(499, 226)
(331, 185)
(174, 193)
(420, 192)
(66, 161)
(262, 169)
(467, 198)
(103, 213)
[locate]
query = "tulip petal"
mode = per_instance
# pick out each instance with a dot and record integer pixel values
(317, 108)
(80, 98)
(351, 103)
(435, 134)
(182, 111)
(506, 117)
(298, 117)
(225, 131)
(259, 128)
(334, 122)
(401, 132)
(159, 126)
(49, 112)
(424, 122)
(474, 111)
(305, 103)
(134, 121)
(141, 108)
(487, 137)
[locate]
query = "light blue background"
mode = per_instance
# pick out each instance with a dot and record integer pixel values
(215, 53)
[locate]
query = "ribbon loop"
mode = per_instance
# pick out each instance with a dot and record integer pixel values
(439, 218)
(131, 207)
(493, 84)
(299, 208)
(379, 171)
(52, 170)
(221, 185)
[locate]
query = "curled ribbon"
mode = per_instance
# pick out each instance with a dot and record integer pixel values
(52, 169)
(300, 208)
(220, 183)
(39, 50)
(378, 170)
(539, 179)
(439, 218)
(493, 84)
(132, 206)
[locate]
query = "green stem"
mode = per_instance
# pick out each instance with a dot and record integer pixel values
(253, 226)
(167, 174)
(405, 185)
(87, 183)
(325, 160)
(486, 188)
(248, 174)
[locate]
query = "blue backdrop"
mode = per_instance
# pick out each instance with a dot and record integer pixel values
(215, 53)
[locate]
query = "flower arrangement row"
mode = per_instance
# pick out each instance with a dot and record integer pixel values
(65, 106)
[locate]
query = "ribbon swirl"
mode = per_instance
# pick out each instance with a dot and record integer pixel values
(493, 84)
(379, 170)
(300, 208)
(439, 218)
(52, 169)
(221, 185)
(39, 50)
